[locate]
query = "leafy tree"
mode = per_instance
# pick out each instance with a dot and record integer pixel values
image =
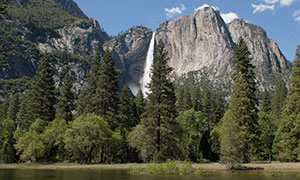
(66, 100)
(159, 127)
(278, 100)
(193, 127)
(53, 140)
(286, 145)
(266, 102)
(41, 98)
(239, 132)
(88, 135)
(29, 145)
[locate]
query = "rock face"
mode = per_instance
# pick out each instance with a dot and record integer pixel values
(129, 51)
(203, 40)
(266, 55)
(84, 38)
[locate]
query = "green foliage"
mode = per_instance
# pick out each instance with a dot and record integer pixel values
(66, 100)
(193, 126)
(169, 168)
(107, 90)
(88, 135)
(239, 131)
(29, 145)
(3, 6)
(266, 102)
(140, 104)
(40, 15)
(287, 144)
(267, 129)
(41, 98)
(159, 125)
(53, 140)
(126, 113)
(101, 94)
(278, 100)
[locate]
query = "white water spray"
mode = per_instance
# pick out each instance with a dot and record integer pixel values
(148, 66)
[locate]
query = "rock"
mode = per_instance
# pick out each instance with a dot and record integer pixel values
(197, 41)
(203, 41)
(129, 51)
(84, 38)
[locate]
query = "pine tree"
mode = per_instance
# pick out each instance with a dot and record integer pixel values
(266, 102)
(286, 145)
(242, 110)
(66, 100)
(88, 101)
(107, 90)
(8, 125)
(139, 104)
(3, 6)
(278, 100)
(159, 124)
(41, 98)
(126, 114)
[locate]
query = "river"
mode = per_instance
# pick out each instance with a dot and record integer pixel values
(29, 174)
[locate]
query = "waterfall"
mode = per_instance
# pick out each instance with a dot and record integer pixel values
(148, 66)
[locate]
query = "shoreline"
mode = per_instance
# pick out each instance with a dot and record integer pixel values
(205, 167)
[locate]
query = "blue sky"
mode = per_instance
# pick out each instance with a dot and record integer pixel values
(280, 18)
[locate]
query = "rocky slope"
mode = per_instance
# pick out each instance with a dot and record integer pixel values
(129, 51)
(203, 40)
(198, 42)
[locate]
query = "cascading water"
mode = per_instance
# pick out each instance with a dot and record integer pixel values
(148, 66)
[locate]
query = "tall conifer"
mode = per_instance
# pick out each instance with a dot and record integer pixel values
(242, 110)
(287, 146)
(159, 125)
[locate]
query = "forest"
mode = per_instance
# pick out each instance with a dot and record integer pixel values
(186, 119)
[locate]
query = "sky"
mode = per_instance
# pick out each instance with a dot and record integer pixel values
(279, 18)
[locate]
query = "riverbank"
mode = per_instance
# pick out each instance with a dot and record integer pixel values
(205, 167)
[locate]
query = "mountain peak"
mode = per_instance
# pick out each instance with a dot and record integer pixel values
(70, 6)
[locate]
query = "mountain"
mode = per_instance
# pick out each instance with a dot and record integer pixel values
(200, 42)
(203, 41)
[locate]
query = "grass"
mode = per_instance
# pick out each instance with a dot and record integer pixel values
(269, 168)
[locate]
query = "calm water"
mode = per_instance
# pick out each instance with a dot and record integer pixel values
(123, 175)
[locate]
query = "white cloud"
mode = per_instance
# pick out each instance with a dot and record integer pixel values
(270, 1)
(175, 10)
(262, 7)
(287, 2)
(296, 15)
(205, 6)
(229, 17)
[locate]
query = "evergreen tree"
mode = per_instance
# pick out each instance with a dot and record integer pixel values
(197, 99)
(126, 114)
(3, 109)
(13, 108)
(66, 100)
(139, 104)
(160, 140)
(41, 98)
(88, 101)
(266, 102)
(286, 145)
(8, 126)
(242, 111)
(278, 100)
(107, 90)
